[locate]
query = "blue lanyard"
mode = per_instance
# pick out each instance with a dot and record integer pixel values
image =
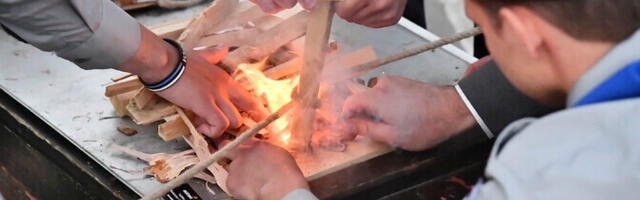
(622, 85)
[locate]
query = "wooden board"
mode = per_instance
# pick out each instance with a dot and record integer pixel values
(320, 162)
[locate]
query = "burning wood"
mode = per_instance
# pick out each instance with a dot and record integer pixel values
(268, 63)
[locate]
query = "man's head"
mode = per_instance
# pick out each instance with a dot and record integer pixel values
(543, 46)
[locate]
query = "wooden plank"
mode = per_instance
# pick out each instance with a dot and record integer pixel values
(344, 63)
(320, 162)
(267, 43)
(171, 29)
(207, 19)
(232, 39)
(267, 22)
(173, 129)
(120, 102)
(122, 87)
(290, 67)
(145, 98)
(281, 55)
(137, 5)
(152, 114)
(318, 30)
(238, 18)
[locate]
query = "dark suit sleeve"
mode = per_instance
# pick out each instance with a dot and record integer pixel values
(497, 101)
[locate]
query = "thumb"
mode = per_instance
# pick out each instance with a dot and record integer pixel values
(215, 54)
(377, 131)
(307, 4)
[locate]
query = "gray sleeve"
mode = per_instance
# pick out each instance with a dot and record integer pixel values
(497, 101)
(94, 34)
(299, 194)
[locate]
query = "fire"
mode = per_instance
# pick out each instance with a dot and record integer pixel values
(275, 93)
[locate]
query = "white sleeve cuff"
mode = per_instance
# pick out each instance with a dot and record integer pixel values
(300, 194)
(473, 111)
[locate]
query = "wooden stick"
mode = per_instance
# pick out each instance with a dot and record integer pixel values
(267, 43)
(318, 30)
(363, 68)
(219, 154)
(171, 30)
(207, 19)
(145, 98)
(119, 78)
(122, 87)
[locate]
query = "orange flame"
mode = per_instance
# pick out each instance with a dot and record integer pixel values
(276, 93)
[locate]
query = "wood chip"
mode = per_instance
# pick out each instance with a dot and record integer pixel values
(127, 131)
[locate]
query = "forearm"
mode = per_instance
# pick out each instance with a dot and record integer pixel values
(153, 60)
(93, 34)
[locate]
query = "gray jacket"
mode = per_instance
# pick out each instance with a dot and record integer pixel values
(588, 152)
(94, 34)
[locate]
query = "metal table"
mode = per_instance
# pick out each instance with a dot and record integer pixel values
(56, 112)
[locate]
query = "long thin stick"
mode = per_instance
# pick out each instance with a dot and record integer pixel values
(363, 68)
(219, 154)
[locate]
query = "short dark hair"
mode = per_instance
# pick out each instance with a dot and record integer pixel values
(596, 20)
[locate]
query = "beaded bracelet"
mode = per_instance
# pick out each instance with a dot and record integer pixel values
(174, 76)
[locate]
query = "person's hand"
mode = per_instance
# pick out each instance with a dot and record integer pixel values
(405, 113)
(211, 94)
(260, 170)
(371, 13)
(204, 88)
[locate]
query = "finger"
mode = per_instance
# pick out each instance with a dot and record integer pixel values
(216, 122)
(347, 9)
(377, 131)
(199, 121)
(307, 4)
(363, 103)
(215, 54)
(365, 14)
(246, 102)
(229, 110)
(286, 3)
(268, 6)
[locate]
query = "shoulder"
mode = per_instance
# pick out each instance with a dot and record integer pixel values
(585, 152)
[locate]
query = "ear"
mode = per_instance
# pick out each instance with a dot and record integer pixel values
(517, 21)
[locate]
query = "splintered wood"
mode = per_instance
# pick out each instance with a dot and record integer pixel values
(280, 42)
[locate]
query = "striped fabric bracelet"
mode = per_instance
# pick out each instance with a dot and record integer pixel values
(174, 76)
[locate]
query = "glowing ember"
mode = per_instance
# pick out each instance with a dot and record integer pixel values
(276, 93)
